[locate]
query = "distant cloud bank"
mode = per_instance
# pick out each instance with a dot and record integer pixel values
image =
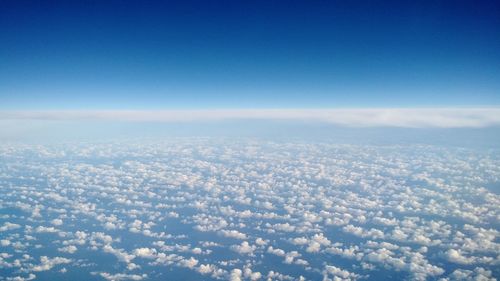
(389, 117)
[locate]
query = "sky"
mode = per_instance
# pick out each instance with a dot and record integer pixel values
(249, 140)
(204, 55)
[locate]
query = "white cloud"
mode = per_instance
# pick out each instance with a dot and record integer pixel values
(248, 273)
(278, 252)
(236, 275)
(261, 242)
(47, 263)
(122, 276)
(456, 256)
(285, 227)
(339, 274)
(147, 253)
(365, 182)
(233, 234)
(57, 222)
(118, 253)
(189, 263)
(4, 242)
(300, 241)
(68, 249)
(479, 273)
(205, 268)
(244, 248)
(9, 226)
(44, 229)
(30, 276)
(398, 117)
(313, 247)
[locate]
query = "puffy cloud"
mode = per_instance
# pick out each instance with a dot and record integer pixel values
(44, 229)
(206, 268)
(300, 241)
(253, 276)
(285, 227)
(9, 226)
(338, 274)
(107, 239)
(233, 234)
(398, 234)
(277, 252)
(80, 237)
(236, 275)
(120, 254)
(313, 247)
(321, 239)
(396, 207)
(110, 226)
(197, 251)
(244, 248)
(478, 273)
(122, 276)
(289, 257)
(359, 231)
(352, 252)
(148, 253)
(56, 222)
(212, 270)
(68, 249)
(189, 263)
(261, 242)
(47, 263)
(30, 276)
(456, 256)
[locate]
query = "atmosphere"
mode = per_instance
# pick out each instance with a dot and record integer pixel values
(340, 140)
(256, 54)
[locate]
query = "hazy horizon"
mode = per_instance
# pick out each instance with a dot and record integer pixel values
(249, 140)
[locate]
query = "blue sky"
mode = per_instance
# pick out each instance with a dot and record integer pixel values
(255, 54)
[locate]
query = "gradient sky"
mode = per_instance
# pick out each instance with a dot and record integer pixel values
(253, 54)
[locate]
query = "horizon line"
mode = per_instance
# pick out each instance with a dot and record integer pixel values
(426, 117)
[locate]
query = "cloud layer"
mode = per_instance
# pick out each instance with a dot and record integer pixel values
(219, 209)
(390, 117)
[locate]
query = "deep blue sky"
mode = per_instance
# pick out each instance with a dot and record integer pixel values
(236, 54)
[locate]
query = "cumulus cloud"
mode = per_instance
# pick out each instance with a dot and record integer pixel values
(313, 247)
(120, 254)
(9, 226)
(210, 269)
(479, 273)
(30, 276)
(248, 273)
(68, 249)
(47, 263)
(236, 275)
(147, 253)
(189, 263)
(244, 248)
(338, 274)
(278, 252)
(261, 242)
(386, 222)
(456, 256)
(233, 234)
(122, 276)
(56, 222)
(398, 117)
(206, 268)
(44, 229)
